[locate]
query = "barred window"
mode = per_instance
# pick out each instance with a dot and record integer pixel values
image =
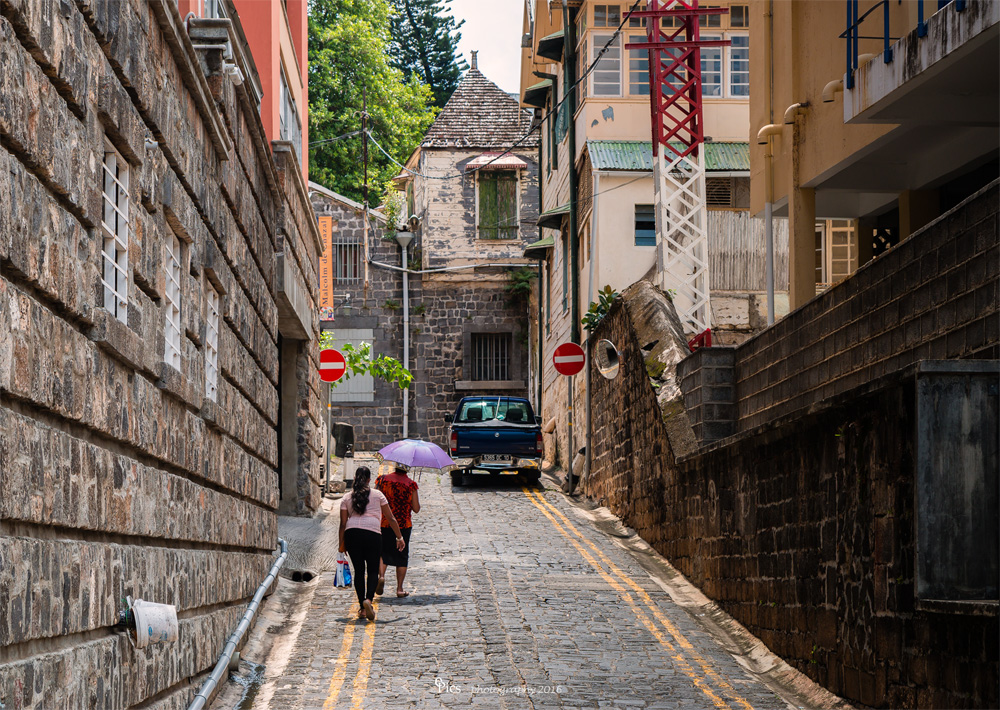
(172, 349)
(212, 343)
(498, 217)
(491, 357)
(114, 225)
(347, 258)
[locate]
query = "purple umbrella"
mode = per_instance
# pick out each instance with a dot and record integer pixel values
(416, 454)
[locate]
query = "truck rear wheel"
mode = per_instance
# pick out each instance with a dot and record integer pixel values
(457, 478)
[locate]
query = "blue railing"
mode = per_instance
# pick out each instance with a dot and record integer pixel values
(853, 32)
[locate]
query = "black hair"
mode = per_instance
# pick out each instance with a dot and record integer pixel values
(361, 491)
(400, 470)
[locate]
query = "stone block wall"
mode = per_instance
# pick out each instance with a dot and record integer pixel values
(934, 296)
(121, 475)
(803, 529)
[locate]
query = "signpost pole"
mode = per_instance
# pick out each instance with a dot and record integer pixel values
(569, 435)
(329, 435)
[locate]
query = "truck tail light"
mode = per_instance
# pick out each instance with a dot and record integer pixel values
(539, 444)
(454, 443)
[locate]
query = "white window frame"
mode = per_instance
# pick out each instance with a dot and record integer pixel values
(517, 196)
(599, 40)
(115, 228)
(729, 67)
(641, 56)
(719, 55)
(212, 303)
(172, 303)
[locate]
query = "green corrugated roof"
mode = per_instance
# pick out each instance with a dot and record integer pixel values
(536, 94)
(638, 155)
(536, 249)
(551, 46)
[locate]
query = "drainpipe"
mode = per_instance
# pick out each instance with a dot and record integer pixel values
(541, 313)
(590, 299)
(404, 239)
(769, 174)
(569, 72)
(222, 666)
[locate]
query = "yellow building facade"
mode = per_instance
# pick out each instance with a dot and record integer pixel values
(877, 135)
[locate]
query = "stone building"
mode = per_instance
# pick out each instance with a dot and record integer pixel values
(473, 207)
(158, 399)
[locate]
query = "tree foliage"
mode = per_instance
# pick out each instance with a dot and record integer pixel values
(425, 37)
(349, 48)
(360, 361)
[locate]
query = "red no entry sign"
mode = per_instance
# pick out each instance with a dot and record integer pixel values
(568, 359)
(332, 365)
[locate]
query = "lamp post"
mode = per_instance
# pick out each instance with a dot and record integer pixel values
(404, 240)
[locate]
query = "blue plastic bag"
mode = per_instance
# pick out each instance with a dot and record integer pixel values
(343, 577)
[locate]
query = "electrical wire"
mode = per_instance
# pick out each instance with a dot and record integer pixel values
(567, 92)
(313, 144)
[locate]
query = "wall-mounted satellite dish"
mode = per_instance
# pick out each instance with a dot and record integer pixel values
(607, 358)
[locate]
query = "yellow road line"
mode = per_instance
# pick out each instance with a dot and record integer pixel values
(364, 665)
(340, 668)
(642, 594)
(677, 656)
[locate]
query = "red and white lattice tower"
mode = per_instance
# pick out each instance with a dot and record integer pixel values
(678, 158)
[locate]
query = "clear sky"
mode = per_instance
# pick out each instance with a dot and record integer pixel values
(494, 28)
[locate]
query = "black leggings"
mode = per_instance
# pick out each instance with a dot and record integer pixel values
(365, 549)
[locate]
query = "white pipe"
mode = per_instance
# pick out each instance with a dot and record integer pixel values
(406, 341)
(528, 265)
(792, 111)
(831, 89)
(769, 260)
(771, 129)
(221, 668)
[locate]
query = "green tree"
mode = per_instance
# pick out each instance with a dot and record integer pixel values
(360, 361)
(425, 38)
(349, 43)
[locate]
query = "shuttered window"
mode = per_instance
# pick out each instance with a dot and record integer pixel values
(645, 226)
(498, 204)
(719, 192)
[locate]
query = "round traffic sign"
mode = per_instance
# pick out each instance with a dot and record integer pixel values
(332, 365)
(568, 359)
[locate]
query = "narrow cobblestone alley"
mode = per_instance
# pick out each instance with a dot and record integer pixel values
(518, 601)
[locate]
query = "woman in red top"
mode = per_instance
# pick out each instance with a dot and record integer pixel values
(401, 491)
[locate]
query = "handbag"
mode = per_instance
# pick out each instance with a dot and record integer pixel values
(343, 576)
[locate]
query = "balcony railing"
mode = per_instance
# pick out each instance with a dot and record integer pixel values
(854, 28)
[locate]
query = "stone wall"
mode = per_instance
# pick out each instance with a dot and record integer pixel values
(121, 475)
(803, 529)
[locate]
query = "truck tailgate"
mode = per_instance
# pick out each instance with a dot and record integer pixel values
(513, 441)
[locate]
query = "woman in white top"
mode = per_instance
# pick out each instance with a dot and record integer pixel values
(361, 514)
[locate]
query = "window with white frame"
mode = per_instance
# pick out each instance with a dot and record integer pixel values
(290, 124)
(115, 228)
(583, 59)
(497, 204)
(607, 75)
(212, 343)
(638, 68)
(711, 68)
(172, 331)
(739, 66)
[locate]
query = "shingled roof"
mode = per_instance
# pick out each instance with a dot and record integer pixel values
(480, 115)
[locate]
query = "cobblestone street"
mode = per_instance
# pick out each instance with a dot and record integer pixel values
(518, 601)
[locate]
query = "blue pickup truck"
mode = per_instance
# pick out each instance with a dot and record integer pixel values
(496, 435)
